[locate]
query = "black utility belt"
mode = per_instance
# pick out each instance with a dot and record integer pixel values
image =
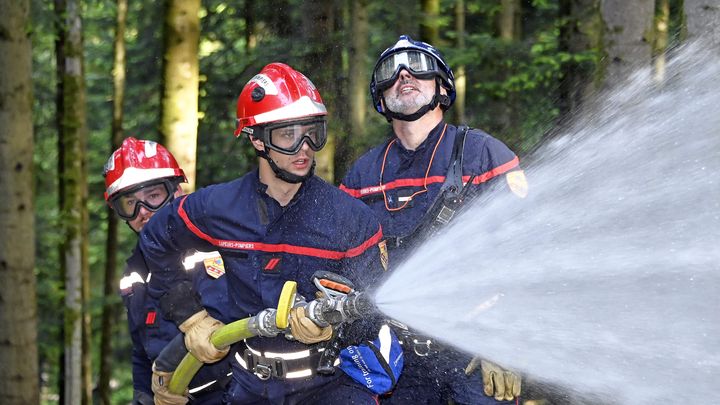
(288, 365)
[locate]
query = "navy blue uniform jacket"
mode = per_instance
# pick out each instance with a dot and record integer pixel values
(264, 244)
(388, 174)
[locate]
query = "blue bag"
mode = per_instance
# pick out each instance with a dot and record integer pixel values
(377, 364)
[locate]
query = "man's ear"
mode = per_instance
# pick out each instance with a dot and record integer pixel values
(179, 192)
(257, 143)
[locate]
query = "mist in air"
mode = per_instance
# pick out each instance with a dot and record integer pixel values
(606, 278)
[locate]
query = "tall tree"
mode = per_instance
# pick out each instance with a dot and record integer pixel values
(703, 20)
(179, 116)
(430, 23)
(508, 21)
(250, 29)
(509, 32)
(660, 43)
(18, 309)
(319, 31)
(358, 74)
(111, 245)
(580, 31)
(72, 130)
(459, 71)
(627, 37)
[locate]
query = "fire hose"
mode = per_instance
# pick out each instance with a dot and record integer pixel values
(339, 304)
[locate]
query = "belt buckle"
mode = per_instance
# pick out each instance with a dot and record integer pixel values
(265, 367)
(263, 371)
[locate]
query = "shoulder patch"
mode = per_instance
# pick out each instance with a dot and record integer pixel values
(517, 182)
(384, 254)
(214, 266)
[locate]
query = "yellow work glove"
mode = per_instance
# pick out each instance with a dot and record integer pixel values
(160, 382)
(305, 330)
(499, 383)
(198, 329)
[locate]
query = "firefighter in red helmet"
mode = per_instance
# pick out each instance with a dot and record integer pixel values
(141, 177)
(277, 223)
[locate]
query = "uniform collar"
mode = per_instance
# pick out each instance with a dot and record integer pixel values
(428, 143)
(261, 188)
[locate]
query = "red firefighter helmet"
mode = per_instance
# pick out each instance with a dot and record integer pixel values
(277, 93)
(139, 162)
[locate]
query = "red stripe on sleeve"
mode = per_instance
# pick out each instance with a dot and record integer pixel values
(374, 240)
(503, 168)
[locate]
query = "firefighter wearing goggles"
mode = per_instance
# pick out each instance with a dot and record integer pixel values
(281, 112)
(416, 182)
(141, 177)
(276, 223)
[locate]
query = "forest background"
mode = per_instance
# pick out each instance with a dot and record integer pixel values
(77, 76)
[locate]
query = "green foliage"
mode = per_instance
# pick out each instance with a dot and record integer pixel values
(512, 93)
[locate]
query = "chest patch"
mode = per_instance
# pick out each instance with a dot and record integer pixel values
(150, 318)
(272, 265)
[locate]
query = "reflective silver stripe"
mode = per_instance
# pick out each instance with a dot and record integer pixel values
(129, 280)
(299, 374)
(285, 356)
(196, 389)
(191, 260)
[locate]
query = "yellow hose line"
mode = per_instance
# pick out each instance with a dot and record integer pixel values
(223, 337)
(229, 334)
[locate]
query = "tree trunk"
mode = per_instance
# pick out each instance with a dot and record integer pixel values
(627, 37)
(703, 20)
(581, 32)
(18, 312)
(660, 43)
(250, 34)
(71, 160)
(459, 71)
(179, 116)
(110, 284)
(358, 73)
(430, 23)
(324, 70)
(508, 28)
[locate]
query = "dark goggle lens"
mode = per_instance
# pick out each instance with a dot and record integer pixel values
(419, 64)
(289, 137)
(152, 197)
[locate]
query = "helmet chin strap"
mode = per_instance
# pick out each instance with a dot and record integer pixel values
(285, 175)
(438, 98)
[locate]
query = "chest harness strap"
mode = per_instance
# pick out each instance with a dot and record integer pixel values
(448, 200)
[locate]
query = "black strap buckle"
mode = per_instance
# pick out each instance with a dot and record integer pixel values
(265, 367)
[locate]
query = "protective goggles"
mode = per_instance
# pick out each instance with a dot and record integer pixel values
(152, 196)
(288, 137)
(419, 64)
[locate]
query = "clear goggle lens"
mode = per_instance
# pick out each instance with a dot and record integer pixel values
(288, 138)
(151, 196)
(419, 64)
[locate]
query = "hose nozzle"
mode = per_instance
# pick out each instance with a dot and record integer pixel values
(337, 310)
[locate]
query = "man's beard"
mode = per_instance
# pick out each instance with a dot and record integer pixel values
(407, 105)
